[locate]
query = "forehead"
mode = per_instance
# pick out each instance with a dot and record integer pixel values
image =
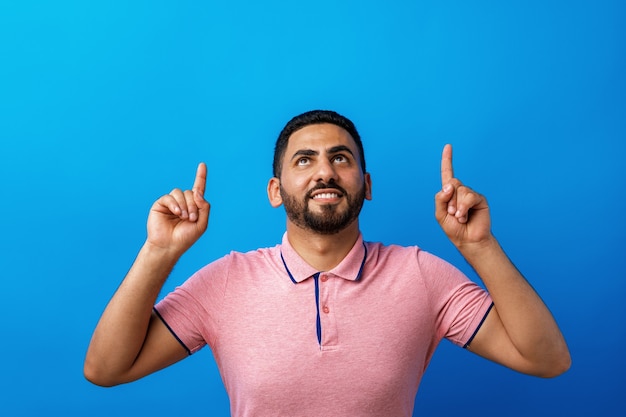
(319, 137)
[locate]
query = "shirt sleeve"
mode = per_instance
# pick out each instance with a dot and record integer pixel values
(191, 311)
(460, 304)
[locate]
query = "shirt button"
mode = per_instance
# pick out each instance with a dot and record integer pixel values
(326, 309)
(324, 278)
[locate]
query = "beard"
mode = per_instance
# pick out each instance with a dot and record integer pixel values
(331, 219)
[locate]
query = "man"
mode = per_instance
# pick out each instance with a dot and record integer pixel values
(324, 323)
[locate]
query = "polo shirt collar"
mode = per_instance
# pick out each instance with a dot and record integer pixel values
(350, 268)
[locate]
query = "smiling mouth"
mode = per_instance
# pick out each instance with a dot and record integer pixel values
(325, 196)
(326, 192)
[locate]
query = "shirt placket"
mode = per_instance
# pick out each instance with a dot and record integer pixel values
(327, 323)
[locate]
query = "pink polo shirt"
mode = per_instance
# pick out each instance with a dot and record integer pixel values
(354, 341)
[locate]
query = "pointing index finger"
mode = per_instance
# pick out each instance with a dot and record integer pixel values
(199, 184)
(447, 173)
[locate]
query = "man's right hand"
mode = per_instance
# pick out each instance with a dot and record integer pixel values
(130, 341)
(178, 219)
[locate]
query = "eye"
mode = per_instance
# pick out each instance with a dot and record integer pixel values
(303, 161)
(340, 158)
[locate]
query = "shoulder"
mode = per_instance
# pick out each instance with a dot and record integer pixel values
(413, 260)
(379, 252)
(393, 262)
(235, 260)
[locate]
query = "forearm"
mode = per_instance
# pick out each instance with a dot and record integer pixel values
(121, 331)
(524, 316)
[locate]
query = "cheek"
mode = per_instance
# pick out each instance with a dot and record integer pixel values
(295, 185)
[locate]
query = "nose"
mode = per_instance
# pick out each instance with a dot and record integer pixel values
(325, 171)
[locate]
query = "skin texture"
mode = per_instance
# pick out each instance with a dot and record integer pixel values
(321, 174)
(321, 154)
(129, 341)
(520, 331)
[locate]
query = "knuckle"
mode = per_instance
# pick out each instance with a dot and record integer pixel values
(176, 193)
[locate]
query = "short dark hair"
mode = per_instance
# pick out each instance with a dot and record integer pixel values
(311, 118)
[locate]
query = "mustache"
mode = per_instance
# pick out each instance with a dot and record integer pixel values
(322, 186)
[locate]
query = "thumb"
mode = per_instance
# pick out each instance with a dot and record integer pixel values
(442, 200)
(204, 209)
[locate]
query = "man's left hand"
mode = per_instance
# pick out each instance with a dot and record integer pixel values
(462, 213)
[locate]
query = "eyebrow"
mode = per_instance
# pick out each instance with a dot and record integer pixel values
(340, 148)
(332, 150)
(304, 152)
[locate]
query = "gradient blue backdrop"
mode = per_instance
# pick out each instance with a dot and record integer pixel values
(106, 105)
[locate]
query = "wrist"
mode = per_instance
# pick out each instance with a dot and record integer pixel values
(158, 255)
(478, 250)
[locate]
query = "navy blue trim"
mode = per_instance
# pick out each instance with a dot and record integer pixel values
(171, 331)
(478, 328)
(287, 269)
(318, 321)
(358, 276)
(317, 305)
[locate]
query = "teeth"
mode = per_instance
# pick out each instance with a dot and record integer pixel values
(327, 195)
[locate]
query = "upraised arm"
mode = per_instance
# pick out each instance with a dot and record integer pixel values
(519, 332)
(129, 341)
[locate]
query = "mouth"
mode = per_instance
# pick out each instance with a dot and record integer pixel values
(326, 194)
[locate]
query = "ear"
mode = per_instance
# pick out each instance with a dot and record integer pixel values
(368, 186)
(273, 192)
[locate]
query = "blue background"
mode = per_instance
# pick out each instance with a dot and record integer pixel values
(106, 105)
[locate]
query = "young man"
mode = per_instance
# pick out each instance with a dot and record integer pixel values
(324, 323)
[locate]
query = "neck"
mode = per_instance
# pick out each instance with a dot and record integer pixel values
(323, 252)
